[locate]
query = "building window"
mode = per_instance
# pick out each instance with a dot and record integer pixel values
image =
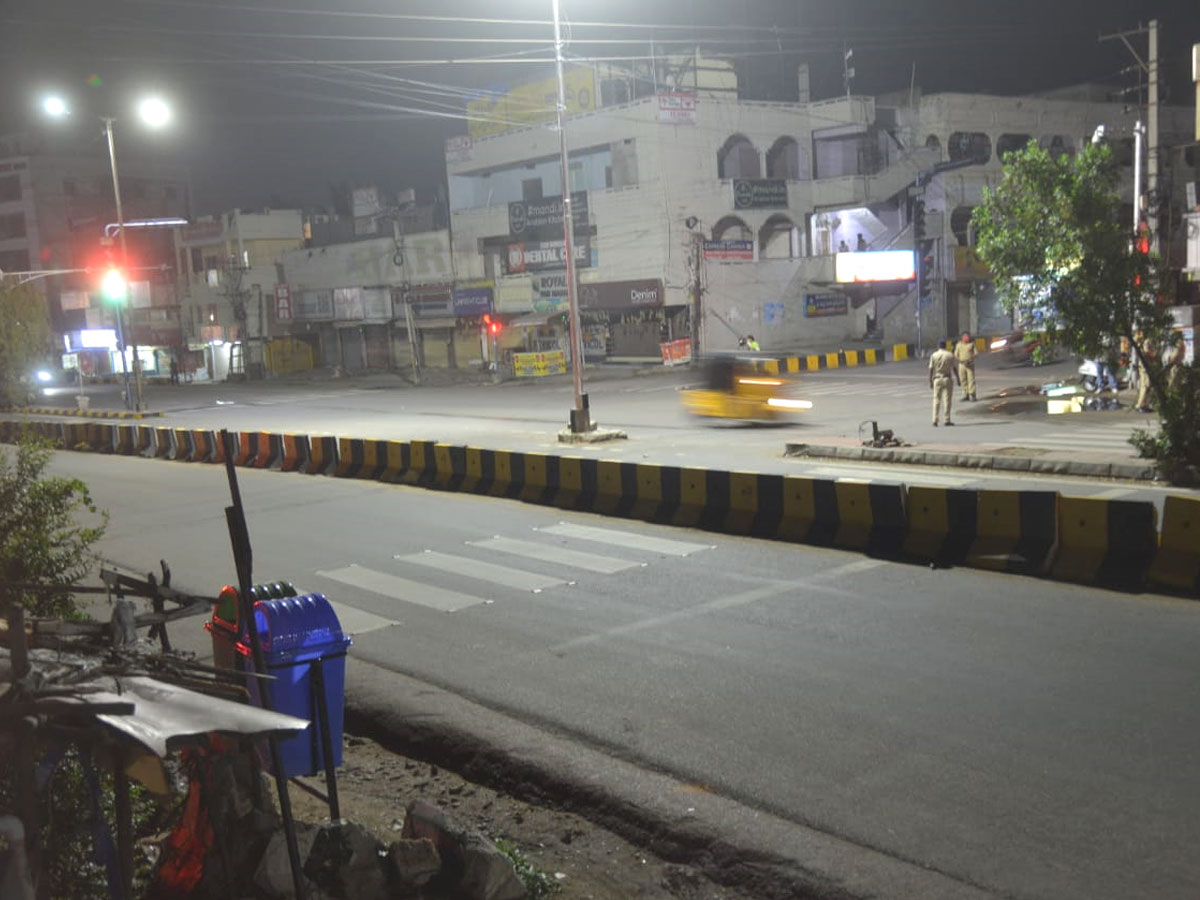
(531, 189)
(783, 160)
(960, 224)
(1010, 143)
(732, 228)
(1057, 144)
(973, 145)
(14, 260)
(779, 238)
(197, 261)
(738, 158)
(933, 142)
(12, 226)
(10, 188)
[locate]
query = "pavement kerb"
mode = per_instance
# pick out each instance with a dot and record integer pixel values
(972, 460)
(85, 413)
(667, 817)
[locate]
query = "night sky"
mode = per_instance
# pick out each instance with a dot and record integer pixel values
(277, 101)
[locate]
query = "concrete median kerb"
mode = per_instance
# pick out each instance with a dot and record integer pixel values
(85, 413)
(1003, 462)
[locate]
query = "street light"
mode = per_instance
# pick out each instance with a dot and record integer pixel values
(155, 113)
(581, 417)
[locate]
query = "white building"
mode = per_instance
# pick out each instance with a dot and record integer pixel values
(751, 202)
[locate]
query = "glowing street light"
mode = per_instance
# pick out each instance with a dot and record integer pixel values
(155, 113)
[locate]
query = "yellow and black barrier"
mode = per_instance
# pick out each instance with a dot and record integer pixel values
(1176, 565)
(1106, 542)
(871, 356)
(322, 455)
(1110, 543)
(294, 452)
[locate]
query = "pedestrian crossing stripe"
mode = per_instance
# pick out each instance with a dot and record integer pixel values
(628, 539)
(397, 588)
(577, 559)
(483, 571)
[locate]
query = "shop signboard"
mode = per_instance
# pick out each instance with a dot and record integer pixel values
(677, 108)
(541, 256)
(535, 365)
(472, 301)
(432, 301)
(458, 148)
(760, 193)
(729, 251)
(619, 295)
(347, 304)
(817, 306)
(198, 232)
(544, 218)
(313, 305)
(283, 302)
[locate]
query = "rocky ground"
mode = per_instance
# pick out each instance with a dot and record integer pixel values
(580, 860)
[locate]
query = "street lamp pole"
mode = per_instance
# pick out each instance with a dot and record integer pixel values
(581, 419)
(137, 369)
(120, 307)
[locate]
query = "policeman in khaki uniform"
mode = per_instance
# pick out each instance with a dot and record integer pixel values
(941, 370)
(964, 352)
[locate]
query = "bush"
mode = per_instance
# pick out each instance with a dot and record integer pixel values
(41, 540)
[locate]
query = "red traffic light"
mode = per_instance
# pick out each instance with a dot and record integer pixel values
(492, 326)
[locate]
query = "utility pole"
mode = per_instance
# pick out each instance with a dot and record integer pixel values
(1150, 67)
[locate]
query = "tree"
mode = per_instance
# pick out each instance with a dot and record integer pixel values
(24, 340)
(1054, 228)
(41, 540)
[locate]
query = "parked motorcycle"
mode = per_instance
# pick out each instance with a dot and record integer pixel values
(1096, 376)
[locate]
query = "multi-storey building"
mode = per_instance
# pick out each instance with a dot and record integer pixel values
(57, 213)
(232, 302)
(699, 213)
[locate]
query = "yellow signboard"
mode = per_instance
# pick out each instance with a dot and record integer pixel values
(532, 104)
(968, 265)
(531, 365)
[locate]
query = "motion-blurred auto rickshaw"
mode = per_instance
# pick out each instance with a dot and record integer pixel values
(735, 389)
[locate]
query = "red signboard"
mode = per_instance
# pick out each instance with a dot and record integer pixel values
(283, 302)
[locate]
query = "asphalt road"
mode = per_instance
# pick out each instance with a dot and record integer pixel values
(527, 416)
(1032, 738)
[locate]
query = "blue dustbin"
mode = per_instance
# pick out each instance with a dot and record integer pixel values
(297, 634)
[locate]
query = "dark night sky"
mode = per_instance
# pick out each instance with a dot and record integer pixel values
(256, 128)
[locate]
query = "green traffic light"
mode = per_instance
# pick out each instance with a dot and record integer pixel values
(113, 286)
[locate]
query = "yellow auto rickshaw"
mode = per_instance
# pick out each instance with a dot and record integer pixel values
(734, 388)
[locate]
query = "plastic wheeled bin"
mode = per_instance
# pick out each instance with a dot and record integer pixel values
(303, 647)
(229, 642)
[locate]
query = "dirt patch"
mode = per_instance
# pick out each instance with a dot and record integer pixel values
(585, 860)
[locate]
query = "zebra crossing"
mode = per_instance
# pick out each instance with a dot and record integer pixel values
(1096, 438)
(553, 556)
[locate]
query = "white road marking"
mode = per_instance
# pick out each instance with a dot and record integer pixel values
(1111, 494)
(592, 562)
(629, 539)
(402, 589)
(358, 621)
(484, 571)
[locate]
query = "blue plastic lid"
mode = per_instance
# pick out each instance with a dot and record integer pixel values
(290, 627)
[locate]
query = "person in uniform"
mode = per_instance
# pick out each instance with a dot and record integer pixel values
(964, 353)
(751, 343)
(941, 370)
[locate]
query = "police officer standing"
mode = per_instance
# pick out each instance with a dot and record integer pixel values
(941, 370)
(964, 352)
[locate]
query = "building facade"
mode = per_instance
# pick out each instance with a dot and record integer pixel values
(700, 214)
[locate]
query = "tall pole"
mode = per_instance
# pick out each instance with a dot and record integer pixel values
(581, 420)
(112, 159)
(1138, 131)
(1152, 141)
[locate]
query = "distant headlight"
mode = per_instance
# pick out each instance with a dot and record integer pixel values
(789, 404)
(44, 376)
(999, 343)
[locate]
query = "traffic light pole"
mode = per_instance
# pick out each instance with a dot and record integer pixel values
(137, 369)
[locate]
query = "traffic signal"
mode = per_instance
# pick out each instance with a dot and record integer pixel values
(493, 327)
(918, 220)
(925, 271)
(113, 286)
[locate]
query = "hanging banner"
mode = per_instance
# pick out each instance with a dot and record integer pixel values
(544, 218)
(542, 255)
(676, 108)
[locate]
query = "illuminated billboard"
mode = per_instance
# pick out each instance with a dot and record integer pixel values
(874, 265)
(532, 104)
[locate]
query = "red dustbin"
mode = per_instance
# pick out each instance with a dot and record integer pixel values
(227, 644)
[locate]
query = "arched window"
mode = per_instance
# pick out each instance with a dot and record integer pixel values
(933, 142)
(738, 159)
(732, 228)
(960, 224)
(1057, 144)
(973, 145)
(779, 238)
(783, 160)
(1010, 143)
